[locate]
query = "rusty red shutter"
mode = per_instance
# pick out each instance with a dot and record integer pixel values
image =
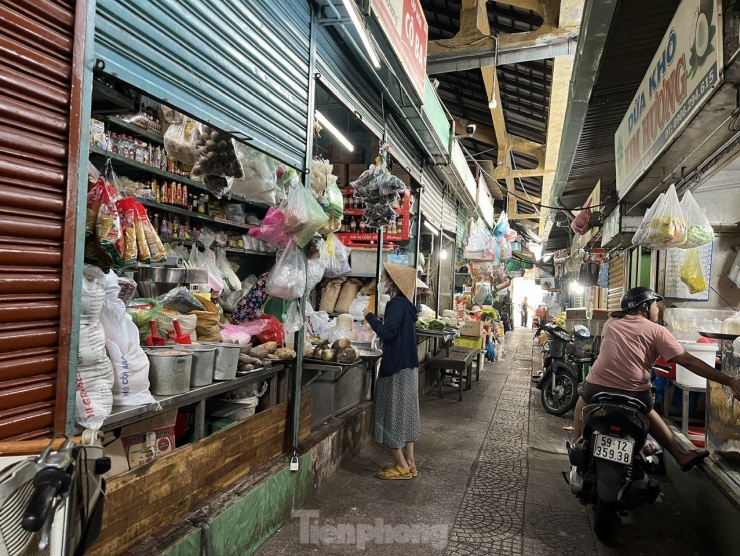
(41, 46)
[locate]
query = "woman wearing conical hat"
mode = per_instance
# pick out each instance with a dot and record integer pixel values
(395, 418)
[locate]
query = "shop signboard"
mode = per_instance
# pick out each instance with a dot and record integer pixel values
(594, 200)
(404, 24)
(679, 81)
(462, 169)
(485, 203)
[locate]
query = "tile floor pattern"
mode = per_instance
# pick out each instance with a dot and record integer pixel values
(490, 472)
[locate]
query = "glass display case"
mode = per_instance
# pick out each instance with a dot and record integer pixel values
(723, 413)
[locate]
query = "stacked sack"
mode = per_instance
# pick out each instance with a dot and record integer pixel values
(94, 399)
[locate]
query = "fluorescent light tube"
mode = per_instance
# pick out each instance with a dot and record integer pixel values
(334, 131)
(430, 227)
(351, 8)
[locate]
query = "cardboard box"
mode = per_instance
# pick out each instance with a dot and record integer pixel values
(575, 313)
(354, 171)
(141, 442)
(341, 171)
(472, 328)
(600, 314)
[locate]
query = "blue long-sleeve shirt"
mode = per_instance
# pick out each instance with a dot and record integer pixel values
(397, 331)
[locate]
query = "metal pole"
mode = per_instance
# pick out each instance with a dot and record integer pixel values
(300, 340)
(418, 237)
(378, 269)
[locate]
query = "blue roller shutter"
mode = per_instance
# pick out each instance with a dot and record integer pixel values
(240, 65)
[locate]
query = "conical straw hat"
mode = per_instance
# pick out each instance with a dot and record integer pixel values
(405, 278)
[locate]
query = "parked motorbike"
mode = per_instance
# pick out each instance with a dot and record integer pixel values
(608, 467)
(563, 365)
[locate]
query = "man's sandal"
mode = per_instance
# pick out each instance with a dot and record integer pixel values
(393, 472)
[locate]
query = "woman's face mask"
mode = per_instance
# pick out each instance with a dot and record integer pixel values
(382, 287)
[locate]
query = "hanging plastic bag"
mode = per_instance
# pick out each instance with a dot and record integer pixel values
(502, 225)
(182, 300)
(335, 201)
(293, 320)
(230, 279)
(321, 178)
(154, 246)
(272, 229)
(287, 278)
(668, 225)
(215, 154)
(692, 273)
(179, 139)
(259, 183)
(337, 255)
(642, 230)
(315, 268)
(580, 222)
(296, 210)
(603, 280)
(127, 215)
(108, 227)
(273, 330)
(698, 229)
(316, 219)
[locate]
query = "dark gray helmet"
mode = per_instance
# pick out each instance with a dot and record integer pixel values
(638, 296)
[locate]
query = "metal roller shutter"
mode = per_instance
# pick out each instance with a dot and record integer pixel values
(41, 51)
(616, 282)
(242, 67)
(432, 199)
(403, 148)
(449, 216)
(339, 74)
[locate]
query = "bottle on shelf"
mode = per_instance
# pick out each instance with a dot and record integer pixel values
(362, 225)
(184, 197)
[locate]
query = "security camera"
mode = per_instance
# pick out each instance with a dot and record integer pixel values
(470, 129)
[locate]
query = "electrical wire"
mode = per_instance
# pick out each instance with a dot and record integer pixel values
(540, 205)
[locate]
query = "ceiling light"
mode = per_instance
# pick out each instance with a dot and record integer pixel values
(334, 131)
(443, 254)
(428, 225)
(351, 8)
(493, 103)
(576, 288)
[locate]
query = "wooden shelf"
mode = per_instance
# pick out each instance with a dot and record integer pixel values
(240, 251)
(191, 214)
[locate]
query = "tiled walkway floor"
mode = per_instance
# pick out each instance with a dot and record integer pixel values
(489, 483)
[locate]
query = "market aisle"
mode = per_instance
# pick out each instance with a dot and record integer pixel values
(489, 483)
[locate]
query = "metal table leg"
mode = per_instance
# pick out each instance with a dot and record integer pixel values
(685, 412)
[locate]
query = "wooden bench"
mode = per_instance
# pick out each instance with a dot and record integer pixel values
(459, 361)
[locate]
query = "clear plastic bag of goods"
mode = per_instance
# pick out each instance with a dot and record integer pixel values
(293, 321)
(206, 260)
(502, 225)
(692, 273)
(317, 218)
(337, 255)
(357, 305)
(215, 154)
(640, 237)
(108, 226)
(334, 202)
(349, 292)
(698, 230)
(228, 276)
(129, 362)
(296, 209)
(235, 212)
(181, 299)
(321, 177)
(127, 289)
(259, 183)
(316, 263)
(287, 279)
(179, 139)
(668, 224)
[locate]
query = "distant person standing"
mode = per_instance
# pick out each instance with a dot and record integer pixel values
(525, 312)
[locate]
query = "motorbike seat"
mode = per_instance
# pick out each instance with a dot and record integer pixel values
(620, 399)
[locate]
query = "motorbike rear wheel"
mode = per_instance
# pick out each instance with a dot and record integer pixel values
(565, 396)
(605, 518)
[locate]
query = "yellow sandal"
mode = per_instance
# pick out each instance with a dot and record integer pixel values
(413, 470)
(393, 472)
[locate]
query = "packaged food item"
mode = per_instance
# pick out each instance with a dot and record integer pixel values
(296, 209)
(668, 225)
(215, 154)
(337, 256)
(179, 139)
(154, 246)
(108, 226)
(127, 212)
(692, 273)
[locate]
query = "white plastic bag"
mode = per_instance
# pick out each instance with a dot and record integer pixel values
(642, 229)
(130, 363)
(293, 321)
(259, 183)
(296, 210)
(358, 304)
(668, 224)
(94, 397)
(230, 279)
(337, 256)
(287, 279)
(316, 267)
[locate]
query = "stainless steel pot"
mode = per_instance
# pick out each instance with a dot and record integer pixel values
(169, 371)
(204, 362)
(227, 360)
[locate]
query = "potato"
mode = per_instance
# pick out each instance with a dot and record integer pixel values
(246, 349)
(266, 362)
(347, 355)
(328, 355)
(259, 352)
(341, 344)
(273, 357)
(270, 346)
(285, 353)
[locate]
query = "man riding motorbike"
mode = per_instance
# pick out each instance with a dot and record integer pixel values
(631, 342)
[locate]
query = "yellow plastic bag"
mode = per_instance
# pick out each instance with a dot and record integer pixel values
(691, 273)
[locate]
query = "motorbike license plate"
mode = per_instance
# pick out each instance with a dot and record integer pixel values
(613, 449)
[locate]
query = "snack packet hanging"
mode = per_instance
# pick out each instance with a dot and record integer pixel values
(108, 226)
(692, 273)
(127, 214)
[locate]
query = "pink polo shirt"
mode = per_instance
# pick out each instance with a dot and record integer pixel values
(629, 348)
